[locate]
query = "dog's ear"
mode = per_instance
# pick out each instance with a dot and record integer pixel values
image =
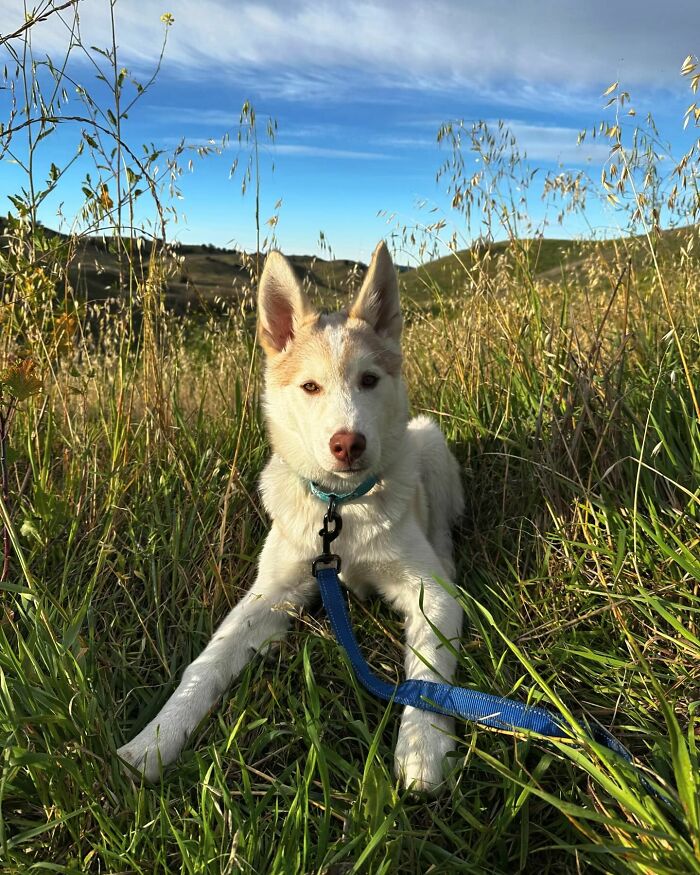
(378, 300)
(282, 304)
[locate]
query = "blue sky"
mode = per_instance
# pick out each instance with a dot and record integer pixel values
(359, 89)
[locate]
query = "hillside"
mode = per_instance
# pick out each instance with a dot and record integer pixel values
(546, 259)
(205, 276)
(196, 275)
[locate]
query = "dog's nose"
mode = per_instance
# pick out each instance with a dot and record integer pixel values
(348, 446)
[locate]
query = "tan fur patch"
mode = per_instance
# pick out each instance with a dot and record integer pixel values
(284, 368)
(312, 343)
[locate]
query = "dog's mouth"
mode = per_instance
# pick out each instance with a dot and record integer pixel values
(356, 469)
(349, 469)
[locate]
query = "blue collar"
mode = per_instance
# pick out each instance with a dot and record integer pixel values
(339, 497)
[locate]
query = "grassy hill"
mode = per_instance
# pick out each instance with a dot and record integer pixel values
(196, 275)
(206, 276)
(549, 259)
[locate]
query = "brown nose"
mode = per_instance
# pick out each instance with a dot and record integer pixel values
(347, 446)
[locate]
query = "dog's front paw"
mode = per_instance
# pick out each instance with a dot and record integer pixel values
(159, 743)
(423, 742)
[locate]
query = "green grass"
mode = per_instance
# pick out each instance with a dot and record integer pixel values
(578, 564)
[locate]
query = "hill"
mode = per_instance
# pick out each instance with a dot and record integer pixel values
(206, 276)
(196, 275)
(545, 259)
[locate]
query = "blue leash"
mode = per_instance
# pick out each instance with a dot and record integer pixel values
(486, 709)
(495, 712)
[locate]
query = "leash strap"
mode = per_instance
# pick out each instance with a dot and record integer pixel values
(494, 712)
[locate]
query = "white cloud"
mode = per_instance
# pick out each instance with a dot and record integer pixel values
(555, 143)
(301, 149)
(402, 142)
(522, 52)
(540, 141)
(219, 119)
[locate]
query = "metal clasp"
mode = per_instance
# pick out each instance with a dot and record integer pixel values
(331, 517)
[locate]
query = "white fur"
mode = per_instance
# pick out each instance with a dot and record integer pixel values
(397, 538)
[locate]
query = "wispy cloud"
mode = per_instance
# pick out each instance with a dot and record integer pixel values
(540, 141)
(219, 121)
(199, 116)
(401, 142)
(299, 49)
(324, 152)
(300, 150)
(555, 143)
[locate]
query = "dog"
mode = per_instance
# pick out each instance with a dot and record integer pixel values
(336, 410)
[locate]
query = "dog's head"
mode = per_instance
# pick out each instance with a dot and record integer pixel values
(335, 402)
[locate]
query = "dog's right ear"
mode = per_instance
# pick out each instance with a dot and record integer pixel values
(378, 300)
(282, 304)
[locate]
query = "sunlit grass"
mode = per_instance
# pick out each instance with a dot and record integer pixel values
(577, 563)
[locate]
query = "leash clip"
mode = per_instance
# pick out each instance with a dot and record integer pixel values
(331, 517)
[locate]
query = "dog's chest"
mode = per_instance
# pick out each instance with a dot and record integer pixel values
(374, 527)
(368, 533)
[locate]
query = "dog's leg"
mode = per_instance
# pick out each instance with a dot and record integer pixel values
(424, 737)
(261, 615)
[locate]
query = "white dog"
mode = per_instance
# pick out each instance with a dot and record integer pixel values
(337, 413)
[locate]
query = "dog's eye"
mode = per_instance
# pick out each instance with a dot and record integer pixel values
(369, 381)
(311, 388)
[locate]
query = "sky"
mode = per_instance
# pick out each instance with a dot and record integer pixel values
(358, 90)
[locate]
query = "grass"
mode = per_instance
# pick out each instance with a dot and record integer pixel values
(578, 573)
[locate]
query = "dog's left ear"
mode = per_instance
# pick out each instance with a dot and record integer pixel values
(282, 304)
(378, 300)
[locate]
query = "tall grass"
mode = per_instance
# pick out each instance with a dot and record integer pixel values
(133, 524)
